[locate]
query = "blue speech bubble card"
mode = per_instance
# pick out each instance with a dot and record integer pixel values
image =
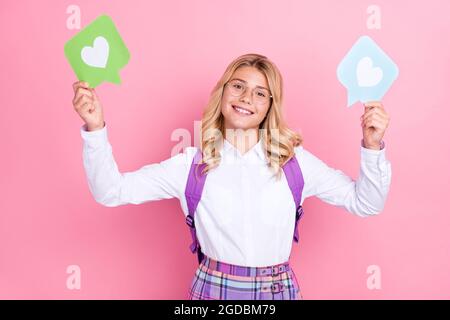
(366, 71)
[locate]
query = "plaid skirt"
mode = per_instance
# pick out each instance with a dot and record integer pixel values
(216, 280)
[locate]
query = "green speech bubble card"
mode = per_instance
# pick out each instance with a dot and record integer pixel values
(97, 52)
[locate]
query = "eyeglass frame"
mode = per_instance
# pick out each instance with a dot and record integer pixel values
(246, 87)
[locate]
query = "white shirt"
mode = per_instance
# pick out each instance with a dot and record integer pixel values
(245, 216)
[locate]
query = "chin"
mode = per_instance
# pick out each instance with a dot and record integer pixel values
(240, 125)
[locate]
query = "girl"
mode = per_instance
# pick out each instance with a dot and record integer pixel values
(243, 222)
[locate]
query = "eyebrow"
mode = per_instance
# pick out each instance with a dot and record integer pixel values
(247, 82)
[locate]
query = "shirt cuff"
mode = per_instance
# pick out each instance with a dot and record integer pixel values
(371, 155)
(96, 138)
(382, 144)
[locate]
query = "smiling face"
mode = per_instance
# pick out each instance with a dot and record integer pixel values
(245, 111)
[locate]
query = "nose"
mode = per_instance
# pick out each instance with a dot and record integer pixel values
(247, 96)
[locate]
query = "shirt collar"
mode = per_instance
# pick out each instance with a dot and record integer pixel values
(257, 149)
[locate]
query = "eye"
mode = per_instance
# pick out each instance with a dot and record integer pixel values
(261, 94)
(237, 86)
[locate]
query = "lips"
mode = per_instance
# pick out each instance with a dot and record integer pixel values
(242, 110)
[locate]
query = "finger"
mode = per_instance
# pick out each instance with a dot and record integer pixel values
(80, 91)
(376, 117)
(374, 124)
(83, 98)
(94, 94)
(81, 101)
(370, 108)
(374, 111)
(373, 104)
(87, 107)
(83, 107)
(367, 113)
(377, 108)
(82, 84)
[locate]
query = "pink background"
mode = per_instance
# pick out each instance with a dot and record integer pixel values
(179, 49)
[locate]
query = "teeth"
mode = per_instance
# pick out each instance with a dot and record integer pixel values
(242, 110)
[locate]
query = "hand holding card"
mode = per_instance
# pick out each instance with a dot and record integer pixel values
(87, 104)
(374, 123)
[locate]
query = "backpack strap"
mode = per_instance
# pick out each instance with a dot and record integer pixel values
(193, 193)
(295, 181)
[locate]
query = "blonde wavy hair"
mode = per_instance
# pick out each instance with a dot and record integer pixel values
(277, 139)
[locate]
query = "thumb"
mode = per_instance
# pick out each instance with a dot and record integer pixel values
(371, 104)
(367, 107)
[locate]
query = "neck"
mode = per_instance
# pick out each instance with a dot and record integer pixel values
(242, 140)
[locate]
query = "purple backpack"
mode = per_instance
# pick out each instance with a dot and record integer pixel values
(194, 188)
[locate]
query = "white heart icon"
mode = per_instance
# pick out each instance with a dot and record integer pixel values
(96, 56)
(367, 75)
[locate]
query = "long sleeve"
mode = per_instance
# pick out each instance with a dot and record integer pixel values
(364, 197)
(111, 188)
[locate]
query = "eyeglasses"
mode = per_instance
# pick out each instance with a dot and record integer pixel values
(237, 89)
